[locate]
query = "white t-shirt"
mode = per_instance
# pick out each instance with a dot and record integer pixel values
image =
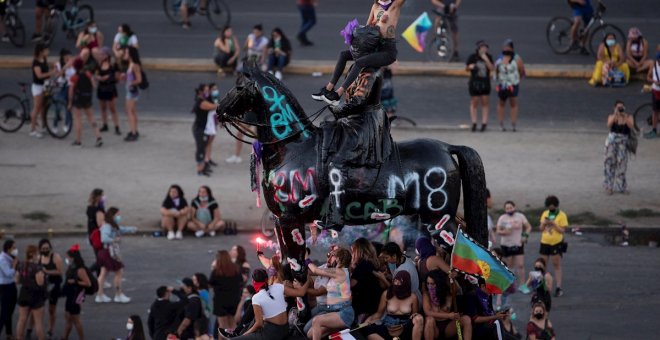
(256, 47)
(271, 307)
(656, 75)
(132, 40)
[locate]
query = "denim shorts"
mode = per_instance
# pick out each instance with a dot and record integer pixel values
(132, 95)
(345, 311)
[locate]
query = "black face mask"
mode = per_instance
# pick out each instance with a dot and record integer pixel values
(45, 253)
(539, 269)
(538, 316)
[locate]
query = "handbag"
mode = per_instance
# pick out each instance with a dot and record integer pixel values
(633, 140)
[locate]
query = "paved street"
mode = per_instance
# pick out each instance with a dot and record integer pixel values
(525, 22)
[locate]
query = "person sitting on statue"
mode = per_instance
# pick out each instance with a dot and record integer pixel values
(380, 33)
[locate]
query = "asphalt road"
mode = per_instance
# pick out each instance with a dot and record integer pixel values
(608, 294)
(544, 103)
(523, 21)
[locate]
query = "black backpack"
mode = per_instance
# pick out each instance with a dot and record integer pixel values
(144, 84)
(84, 89)
(94, 287)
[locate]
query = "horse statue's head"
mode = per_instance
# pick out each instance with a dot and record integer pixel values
(259, 99)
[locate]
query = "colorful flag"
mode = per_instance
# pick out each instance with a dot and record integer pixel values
(472, 258)
(415, 34)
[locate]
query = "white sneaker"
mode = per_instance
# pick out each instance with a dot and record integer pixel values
(121, 298)
(212, 233)
(178, 235)
(36, 134)
(199, 233)
(231, 159)
(102, 299)
(237, 159)
(278, 75)
(170, 235)
(107, 285)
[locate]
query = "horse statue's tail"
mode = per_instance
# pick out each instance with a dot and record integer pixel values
(474, 192)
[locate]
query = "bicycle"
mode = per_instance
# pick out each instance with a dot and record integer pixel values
(15, 111)
(644, 111)
(558, 33)
(13, 24)
(73, 19)
(217, 11)
(440, 46)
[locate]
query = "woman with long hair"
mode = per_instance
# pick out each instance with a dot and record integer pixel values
(620, 124)
(279, 52)
(74, 291)
(201, 283)
(480, 65)
(174, 212)
(133, 80)
(53, 267)
(201, 108)
(226, 281)
(438, 305)
(135, 328)
(107, 75)
(80, 100)
(90, 41)
(227, 51)
(66, 70)
(364, 284)
(109, 257)
(428, 259)
(32, 294)
(40, 73)
(239, 256)
(610, 57)
(205, 214)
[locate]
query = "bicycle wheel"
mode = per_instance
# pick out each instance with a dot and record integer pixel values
(80, 19)
(403, 122)
(218, 14)
(57, 119)
(645, 113)
(267, 224)
(598, 35)
(50, 30)
(12, 112)
(558, 34)
(173, 10)
(15, 29)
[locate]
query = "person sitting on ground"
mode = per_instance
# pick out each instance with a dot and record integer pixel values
(402, 319)
(256, 45)
(437, 304)
(539, 326)
(610, 60)
(124, 38)
(383, 17)
(205, 214)
(174, 212)
(270, 314)
(279, 52)
(227, 51)
(90, 41)
(637, 49)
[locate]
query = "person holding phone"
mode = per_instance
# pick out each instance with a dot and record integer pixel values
(553, 224)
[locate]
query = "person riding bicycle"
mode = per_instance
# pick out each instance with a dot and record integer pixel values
(446, 10)
(582, 11)
(383, 17)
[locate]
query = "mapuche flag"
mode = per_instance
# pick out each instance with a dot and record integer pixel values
(471, 258)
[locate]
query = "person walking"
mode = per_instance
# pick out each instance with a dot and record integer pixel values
(107, 75)
(480, 65)
(553, 226)
(74, 291)
(80, 99)
(307, 9)
(53, 267)
(621, 125)
(8, 290)
(110, 256)
(509, 69)
(32, 295)
(653, 77)
(133, 80)
(40, 73)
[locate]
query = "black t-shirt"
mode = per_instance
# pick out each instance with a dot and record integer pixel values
(169, 203)
(480, 70)
(201, 116)
(366, 293)
(43, 65)
(193, 312)
(91, 218)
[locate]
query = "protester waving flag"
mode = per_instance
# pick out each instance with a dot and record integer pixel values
(416, 33)
(471, 258)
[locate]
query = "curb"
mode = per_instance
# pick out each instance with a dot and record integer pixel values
(78, 232)
(308, 67)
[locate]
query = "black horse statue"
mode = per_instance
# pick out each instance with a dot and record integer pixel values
(419, 177)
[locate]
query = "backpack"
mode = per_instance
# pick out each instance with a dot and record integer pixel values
(95, 239)
(616, 78)
(94, 287)
(84, 89)
(144, 84)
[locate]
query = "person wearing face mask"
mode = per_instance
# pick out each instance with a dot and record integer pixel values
(401, 319)
(76, 280)
(210, 129)
(135, 328)
(539, 326)
(110, 257)
(541, 282)
(553, 226)
(89, 42)
(653, 77)
(203, 105)
(480, 65)
(174, 212)
(205, 216)
(279, 52)
(440, 321)
(514, 230)
(610, 59)
(621, 125)
(53, 266)
(397, 261)
(509, 69)
(32, 295)
(637, 49)
(8, 290)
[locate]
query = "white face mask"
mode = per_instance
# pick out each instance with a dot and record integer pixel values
(67, 262)
(14, 252)
(129, 326)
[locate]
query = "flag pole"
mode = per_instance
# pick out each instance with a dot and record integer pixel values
(452, 289)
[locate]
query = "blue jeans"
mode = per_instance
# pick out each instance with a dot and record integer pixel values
(62, 97)
(277, 62)
(308, 14)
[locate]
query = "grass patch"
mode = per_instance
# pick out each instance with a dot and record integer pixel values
(638, 213)
(37, 215)
(589, 218)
